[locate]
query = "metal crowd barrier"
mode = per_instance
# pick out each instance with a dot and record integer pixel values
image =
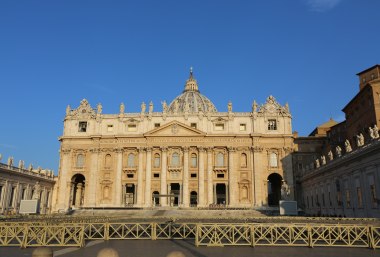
(31, 234)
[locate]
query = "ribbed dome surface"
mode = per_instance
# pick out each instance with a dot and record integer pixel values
(191, 100)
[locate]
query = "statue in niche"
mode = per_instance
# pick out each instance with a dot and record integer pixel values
(347, 146)
(330, 155)
(37, 191)
(317, 164)
(254, 106)
(68, 109)
(323, 160)
(122, 108)
(285, 191)
(150, 107)
(229, 106)
(375, 131)
(100, 108)
(338, 151)
(143, 107)
(164, 106)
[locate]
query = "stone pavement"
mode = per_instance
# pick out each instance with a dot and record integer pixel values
(161, 248)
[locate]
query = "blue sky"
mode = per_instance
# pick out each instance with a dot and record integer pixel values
(55, 53)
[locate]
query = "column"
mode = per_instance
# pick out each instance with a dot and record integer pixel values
(64, 194)
(140, 179)
(185, 183)
(148, 175)
(164, 200)
(119, 171)
(201, 178)
(210, 191)
(232, 179)
(260, 182)
(78, 195)
(253, 178)
(93, 178)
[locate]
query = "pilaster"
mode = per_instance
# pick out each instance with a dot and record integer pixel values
(185, 183)
(210, 189)
(201, 177)
(164, 187)
(148, 176)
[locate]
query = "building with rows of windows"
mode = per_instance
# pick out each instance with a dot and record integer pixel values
(187, 155)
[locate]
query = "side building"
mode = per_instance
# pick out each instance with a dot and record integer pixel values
(187, 155)
(338, 172)
(21, 183)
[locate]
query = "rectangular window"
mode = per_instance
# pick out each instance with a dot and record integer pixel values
(109, 128)
(220, 175)
(243, 127)
(193, 125)
(82, 126)
(193, 175)
(219, 127)
(132, 128)
(156, 175)
(272, 124)
(130, 176)
(157, 125)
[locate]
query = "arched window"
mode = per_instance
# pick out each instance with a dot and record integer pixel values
(194, 160)
(273, 160)
(108, 161)
(157, 161)
(131, 160)
(175, 159)
(243, 160)
(220, 159)
(244, 192)
(80, 160)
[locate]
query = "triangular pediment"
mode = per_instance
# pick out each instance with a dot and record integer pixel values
(174, 128)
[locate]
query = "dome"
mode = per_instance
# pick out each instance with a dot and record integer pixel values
(191, 100)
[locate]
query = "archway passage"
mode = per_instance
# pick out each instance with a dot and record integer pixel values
(174, 190)
(193, 199)
(156, 198)
(274, 189)
(221, 194)
(77, 190)
(129, 194)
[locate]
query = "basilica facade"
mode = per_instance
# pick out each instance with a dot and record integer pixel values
(186, 155)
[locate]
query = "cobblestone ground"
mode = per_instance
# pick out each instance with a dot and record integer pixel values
(161, 248)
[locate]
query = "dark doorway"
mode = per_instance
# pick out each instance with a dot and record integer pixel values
(77, 190)
(156, 198)
(221, 194)
(129, 194)
(274, 189)
(174, 190)
(193, 199)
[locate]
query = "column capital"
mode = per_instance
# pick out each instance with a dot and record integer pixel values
(201, 149)
(149, 149)
(257, 149)
(185, 149)
(164, 149)
(118, 150)
(210, 149)
(95, 150)
(141, 149)
(231, 149)
(65, 150)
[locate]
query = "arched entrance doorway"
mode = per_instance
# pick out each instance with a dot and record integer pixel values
(274, 189)
(156, 198)
(193, 199)
(77, 190)
(129, 194)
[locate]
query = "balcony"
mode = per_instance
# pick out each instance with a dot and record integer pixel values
(130, 169)
(176, 168)
(220, 168)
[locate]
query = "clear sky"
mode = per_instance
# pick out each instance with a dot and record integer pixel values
(55, 53)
